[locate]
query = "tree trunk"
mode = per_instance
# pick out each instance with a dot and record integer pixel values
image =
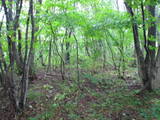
(147, 65)
(49, 55)
(32, 74)
(67, 56)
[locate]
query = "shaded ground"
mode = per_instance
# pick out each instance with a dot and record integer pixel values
(103, 96)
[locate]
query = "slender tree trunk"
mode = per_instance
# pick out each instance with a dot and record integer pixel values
(77, 63)
(20, 45)
(32, 71)
(67, 56)
(24, 85)
(112, 54)
(49, 55)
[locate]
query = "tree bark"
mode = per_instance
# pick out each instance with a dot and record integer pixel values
(146, 66)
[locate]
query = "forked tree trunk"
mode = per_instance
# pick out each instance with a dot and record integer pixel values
(148, 66)
(24, 81)
(8, 71)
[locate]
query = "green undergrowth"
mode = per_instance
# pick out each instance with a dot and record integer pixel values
(106, 101)
(34, 95)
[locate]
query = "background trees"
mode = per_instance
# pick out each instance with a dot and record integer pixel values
(73, 36)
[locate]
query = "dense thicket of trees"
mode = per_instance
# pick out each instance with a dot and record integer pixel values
(80, 34)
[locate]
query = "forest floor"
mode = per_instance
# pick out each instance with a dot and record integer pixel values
(103, 96)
